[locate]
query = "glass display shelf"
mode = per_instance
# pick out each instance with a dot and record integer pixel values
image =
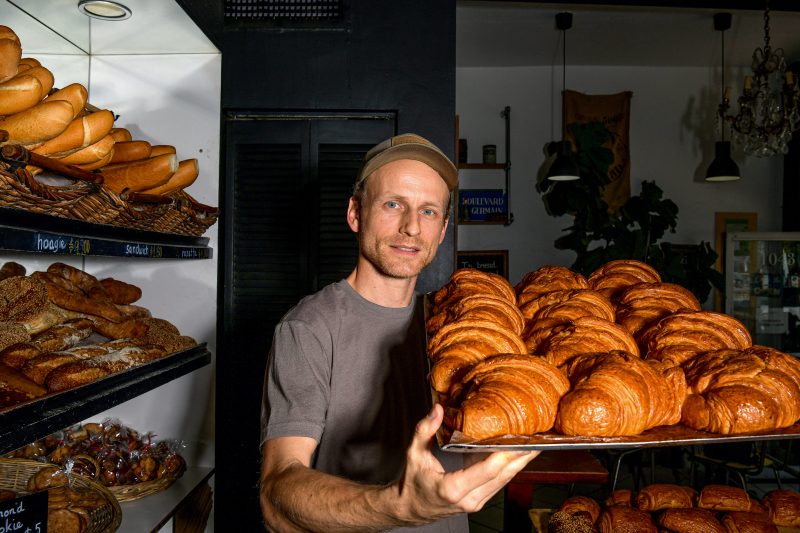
(27, 422)
(24, 231)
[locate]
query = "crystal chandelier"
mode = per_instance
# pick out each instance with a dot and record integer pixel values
(768, 107)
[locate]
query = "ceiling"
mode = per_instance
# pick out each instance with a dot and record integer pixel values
(507, 34)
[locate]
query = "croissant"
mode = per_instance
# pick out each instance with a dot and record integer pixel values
(479, 307)
(568, 304)
(617, 393)
(583, 335)
(659, 496)
(642, 304)
(550, 278)
(476, 331)
(508, 395)
(621, 519)
(783, 507)
(469, 281)
(741, 391)
(690, 521)
(614, 276)
(683, 335)
(747, 522)
(622, 497)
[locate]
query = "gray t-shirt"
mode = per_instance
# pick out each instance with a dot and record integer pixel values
(352, 375)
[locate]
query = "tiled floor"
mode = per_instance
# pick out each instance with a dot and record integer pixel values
(672, 466)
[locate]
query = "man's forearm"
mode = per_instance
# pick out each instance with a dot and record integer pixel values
(302, 499)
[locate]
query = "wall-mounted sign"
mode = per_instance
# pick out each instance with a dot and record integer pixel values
(26, 513)
(494, 261)
(482, 205)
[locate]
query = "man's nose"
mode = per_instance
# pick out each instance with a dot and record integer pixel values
(410, 224)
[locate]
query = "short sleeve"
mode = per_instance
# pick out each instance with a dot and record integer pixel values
(297, 382)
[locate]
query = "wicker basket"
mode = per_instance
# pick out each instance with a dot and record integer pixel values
(94, 203)
(14, 475)
(128, 493)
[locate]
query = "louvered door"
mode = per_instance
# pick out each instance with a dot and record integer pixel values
(289, 179)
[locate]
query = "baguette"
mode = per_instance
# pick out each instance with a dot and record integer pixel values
(44, 76)
(126, 151)
(81, 132)
(185, 175)
(19, 93)
(121, 135)
(12, 379)
(140, 175)
(99, 163)
(10, 53)
(40, 123)
(74, 93)
(90, 154)
(160, 149)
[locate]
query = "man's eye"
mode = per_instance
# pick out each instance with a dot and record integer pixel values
(428, 212)
(392, 204)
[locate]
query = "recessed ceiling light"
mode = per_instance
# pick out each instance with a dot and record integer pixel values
(104, 9)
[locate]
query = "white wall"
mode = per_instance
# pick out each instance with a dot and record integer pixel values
(672, 136)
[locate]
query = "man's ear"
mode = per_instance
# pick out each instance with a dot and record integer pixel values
(353, 214)
(444, 230)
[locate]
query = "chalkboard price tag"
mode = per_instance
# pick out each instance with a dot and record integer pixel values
(27, 514)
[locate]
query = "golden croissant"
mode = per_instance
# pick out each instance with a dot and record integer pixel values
(508, 395)
(614, 276)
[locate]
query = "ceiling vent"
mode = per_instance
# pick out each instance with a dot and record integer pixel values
(300, 14)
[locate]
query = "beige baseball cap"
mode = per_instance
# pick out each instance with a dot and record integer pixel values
(409, 146)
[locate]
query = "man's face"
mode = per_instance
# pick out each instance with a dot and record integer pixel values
(402, 220)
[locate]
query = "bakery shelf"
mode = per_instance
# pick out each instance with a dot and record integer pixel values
(152, 512)
(25, 231)
(38, 418)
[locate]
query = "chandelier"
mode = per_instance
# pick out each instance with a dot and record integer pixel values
(768, 107)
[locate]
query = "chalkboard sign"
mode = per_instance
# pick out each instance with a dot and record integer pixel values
(27, 514)
(494, 261)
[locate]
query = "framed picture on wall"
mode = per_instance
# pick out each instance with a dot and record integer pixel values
(725, 223)
(494, 261)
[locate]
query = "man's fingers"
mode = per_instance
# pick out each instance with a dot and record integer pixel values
(427, 427)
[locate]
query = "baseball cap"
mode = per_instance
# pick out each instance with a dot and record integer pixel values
(409, 146)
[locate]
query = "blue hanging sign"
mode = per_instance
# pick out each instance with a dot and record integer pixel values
(482, 205)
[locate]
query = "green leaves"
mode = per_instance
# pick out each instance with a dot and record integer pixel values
(598, 236)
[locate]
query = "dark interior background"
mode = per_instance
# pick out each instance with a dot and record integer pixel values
(302, 100)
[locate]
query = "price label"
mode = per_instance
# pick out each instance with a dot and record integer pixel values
(27, 514)
(61, 244)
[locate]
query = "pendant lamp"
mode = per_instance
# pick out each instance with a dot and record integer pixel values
(723, 167)
(565, 167)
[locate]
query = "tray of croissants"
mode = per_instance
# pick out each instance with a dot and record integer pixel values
(618, 358)
(666, 507)
(63, 328)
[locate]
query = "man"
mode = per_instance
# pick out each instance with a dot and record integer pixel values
(347, 424)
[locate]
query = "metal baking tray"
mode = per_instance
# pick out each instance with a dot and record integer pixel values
(677, 435)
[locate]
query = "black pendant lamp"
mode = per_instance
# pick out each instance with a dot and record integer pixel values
(565, 167)
(723, 167)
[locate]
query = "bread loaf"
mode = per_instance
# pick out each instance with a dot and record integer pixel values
(659, 496)
(16, 355)
(561, 522)
(44, 76)
(581, 504)
(83, 131)
(139, 175)
(747, 522)
(19, 93)
(160, 149)
(690, 521)
(40, 123)
(12, 379)
(27, 63)
(622, 497)
(723, 498)
(100, 163)
(187, 173)
(93, 153)
(10, 269)
(74, 93)
(62, 336)
(621, 519)
(121, 135)
(120, 292)
(125, 151)
(10, 53)
(783, 507)
(78, 373)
